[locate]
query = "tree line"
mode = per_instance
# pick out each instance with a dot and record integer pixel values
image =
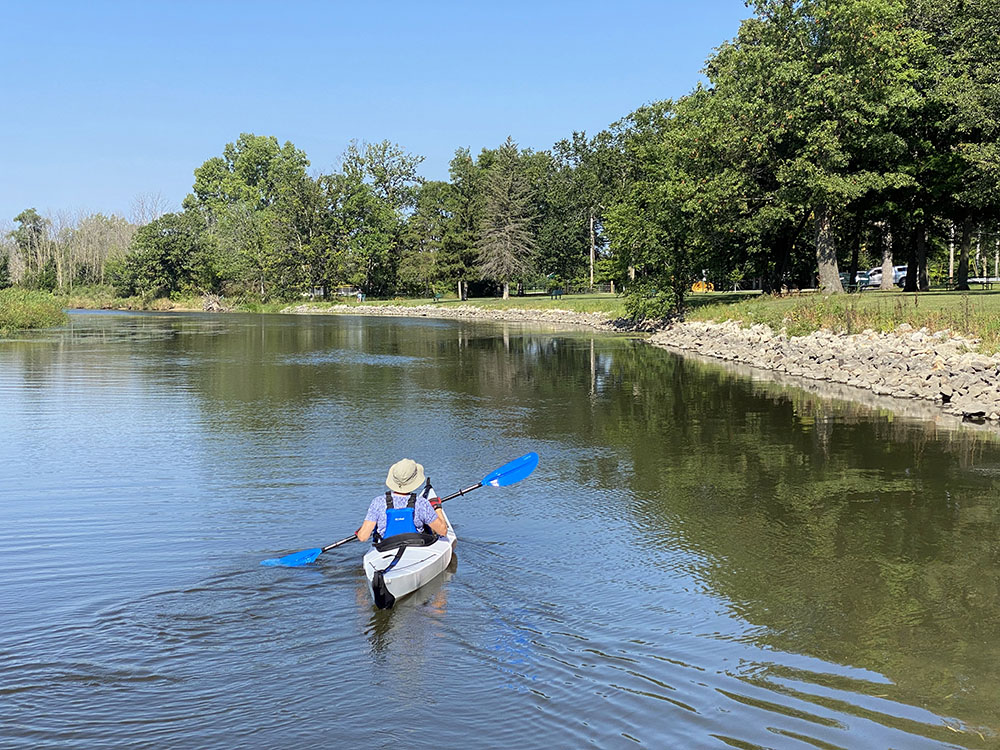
(829, 135)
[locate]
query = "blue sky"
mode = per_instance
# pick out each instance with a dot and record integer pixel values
(104, 101)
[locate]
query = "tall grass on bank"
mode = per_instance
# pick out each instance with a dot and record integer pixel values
(21, 309)
(93, 297)
(975, 314)
(103, 297)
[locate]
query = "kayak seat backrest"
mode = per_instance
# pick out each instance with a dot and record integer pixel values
(408, 539)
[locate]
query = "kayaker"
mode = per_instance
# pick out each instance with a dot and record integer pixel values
(410, 511)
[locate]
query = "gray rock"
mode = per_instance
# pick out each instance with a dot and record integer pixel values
(914, 365)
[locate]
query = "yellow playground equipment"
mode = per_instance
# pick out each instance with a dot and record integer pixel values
(703, 286)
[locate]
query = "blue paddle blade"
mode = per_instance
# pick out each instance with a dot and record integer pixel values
(295, 559)
(513, 471)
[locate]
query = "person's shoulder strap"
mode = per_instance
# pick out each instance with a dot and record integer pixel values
(411, 501)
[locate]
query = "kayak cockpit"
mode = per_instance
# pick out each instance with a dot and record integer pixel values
(402, 563)
(406, 539)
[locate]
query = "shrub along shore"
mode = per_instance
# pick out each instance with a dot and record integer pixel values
(22, 309)
(936, 347)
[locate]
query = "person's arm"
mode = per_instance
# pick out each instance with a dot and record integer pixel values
(365, 531)
(432, 516)
(439, 526)
(435, 501)
(375, 509)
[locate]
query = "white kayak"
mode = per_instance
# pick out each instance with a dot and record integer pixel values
(415, 565)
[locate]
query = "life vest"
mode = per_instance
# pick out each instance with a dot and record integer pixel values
(399, 520)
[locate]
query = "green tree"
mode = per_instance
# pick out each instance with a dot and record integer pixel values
(561, 225)
(584, 186)
(505, 241)
(651, 224)
(360, 234)
(459, 252)
(959, 165)
(812, 90)
(258, 204)
(366, 205)
(422, 267)
(170, 254)
(33, 245)
(254, 171)
(391, 171)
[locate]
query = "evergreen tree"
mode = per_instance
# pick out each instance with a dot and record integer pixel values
(506, 243)
(4, 271)
(465, 208)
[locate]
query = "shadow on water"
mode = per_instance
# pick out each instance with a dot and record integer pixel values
(401, 627)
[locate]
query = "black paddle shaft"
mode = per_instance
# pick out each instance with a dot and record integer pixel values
(345, 540)
(461, 492)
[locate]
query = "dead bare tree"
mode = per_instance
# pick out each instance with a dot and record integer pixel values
(147, 207)
(95, 240)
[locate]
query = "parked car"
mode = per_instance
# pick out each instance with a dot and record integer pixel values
(898, 276)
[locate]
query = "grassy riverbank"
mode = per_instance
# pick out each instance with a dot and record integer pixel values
(104, 298)
(975, 314)
(21, 309)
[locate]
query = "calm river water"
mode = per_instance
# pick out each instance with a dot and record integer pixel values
(698, 562)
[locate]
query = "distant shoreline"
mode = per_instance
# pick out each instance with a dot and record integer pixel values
(942, 370)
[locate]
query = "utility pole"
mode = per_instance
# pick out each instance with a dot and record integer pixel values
(951, 254)
(593, 251)
(980, 268)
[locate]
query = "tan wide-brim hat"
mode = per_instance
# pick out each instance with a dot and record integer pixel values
(405, 476)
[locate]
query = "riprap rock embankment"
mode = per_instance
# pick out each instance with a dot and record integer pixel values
(905, 363)
(465, 312)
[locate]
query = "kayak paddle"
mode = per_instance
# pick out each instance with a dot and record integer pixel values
(306, 556)
(510, 473)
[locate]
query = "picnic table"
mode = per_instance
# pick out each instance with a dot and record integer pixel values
(986, 282)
